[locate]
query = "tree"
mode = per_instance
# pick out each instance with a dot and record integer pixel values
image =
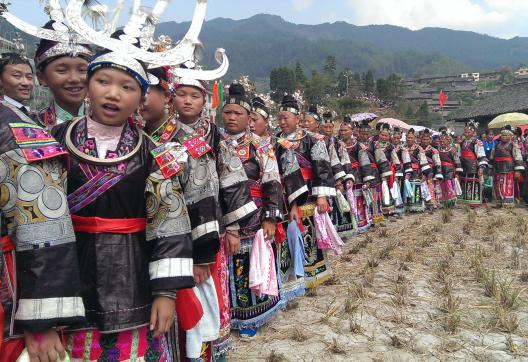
(330, 66)
(368, 82)
(282, 80)
(318, 87)
(507, 75)
(409, 113)
(300, 78)
(382, 88)
(423, 116)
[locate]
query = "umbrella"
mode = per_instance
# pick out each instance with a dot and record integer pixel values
(512, 119)
(422, 128)
(395, 123)
(360, 117)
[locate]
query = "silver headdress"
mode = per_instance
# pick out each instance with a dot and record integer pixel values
(59, 32)
(67, 42)
(141, 26)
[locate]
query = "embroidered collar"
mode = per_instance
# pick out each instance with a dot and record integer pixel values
(65, 116)
(85, 148)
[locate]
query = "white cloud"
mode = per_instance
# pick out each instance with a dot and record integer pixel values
(329, 18)
(498, 17)
(301, 5)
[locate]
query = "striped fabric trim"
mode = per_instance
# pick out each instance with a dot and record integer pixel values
(49, 308)
(323, 191)
(297, 193)
(339, 175)
(204, 229)
(239, 213)
(171, 268)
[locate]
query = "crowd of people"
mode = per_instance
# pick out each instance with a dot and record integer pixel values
(136, 229)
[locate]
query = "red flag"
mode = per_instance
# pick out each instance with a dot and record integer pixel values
(442, 98)
(216, 98)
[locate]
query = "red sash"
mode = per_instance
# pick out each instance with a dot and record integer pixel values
(255, 191)
(188, 308)
(306, 173)
(280, 234)
(355, 164)
(447, 164)
(503, 159)
(415, 166)
(468, 155)
(99, 225)
(393, 174)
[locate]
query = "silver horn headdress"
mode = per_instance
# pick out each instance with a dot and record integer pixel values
(141, 25)
(61, 40)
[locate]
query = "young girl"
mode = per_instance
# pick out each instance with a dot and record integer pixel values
(62, 68)
(131, 222)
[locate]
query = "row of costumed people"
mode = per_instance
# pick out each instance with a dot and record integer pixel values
(113, 223)
(110, 230)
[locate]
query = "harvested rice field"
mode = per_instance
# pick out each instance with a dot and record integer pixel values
(452, 285)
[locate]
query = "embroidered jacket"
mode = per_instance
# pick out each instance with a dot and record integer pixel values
(418, 164)
(314, 161)
(213, 179)
(472, 156)
(360, 157)
(260, 164)
(450, 162)
(54, 115)
(405, 160)
(132, 226)
(339, 159)
(506, 157)
(433, 159)
(295, 188)
(391, 162)
(44, 290)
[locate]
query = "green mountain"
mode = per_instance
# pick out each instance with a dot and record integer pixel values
(258, 44)
(262, 42)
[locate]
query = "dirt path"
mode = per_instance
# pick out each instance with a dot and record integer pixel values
(446, 286)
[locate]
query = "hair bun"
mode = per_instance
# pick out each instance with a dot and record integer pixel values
(236, 89)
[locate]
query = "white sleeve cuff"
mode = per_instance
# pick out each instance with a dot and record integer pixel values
(323, 191)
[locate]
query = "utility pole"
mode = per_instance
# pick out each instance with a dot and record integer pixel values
(346, 75)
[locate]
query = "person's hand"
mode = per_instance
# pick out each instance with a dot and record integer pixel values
(201, 273)
(295, 214)
(233, 242)
(322, 204)
(269, 226)
(44, 347)
(162, 315)
(349, 184)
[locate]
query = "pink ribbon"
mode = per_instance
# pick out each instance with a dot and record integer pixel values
(326, 234)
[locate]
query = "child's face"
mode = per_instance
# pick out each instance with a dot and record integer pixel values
(66, 78)
(114, 96)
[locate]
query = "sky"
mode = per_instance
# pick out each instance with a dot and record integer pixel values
(500, 18)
